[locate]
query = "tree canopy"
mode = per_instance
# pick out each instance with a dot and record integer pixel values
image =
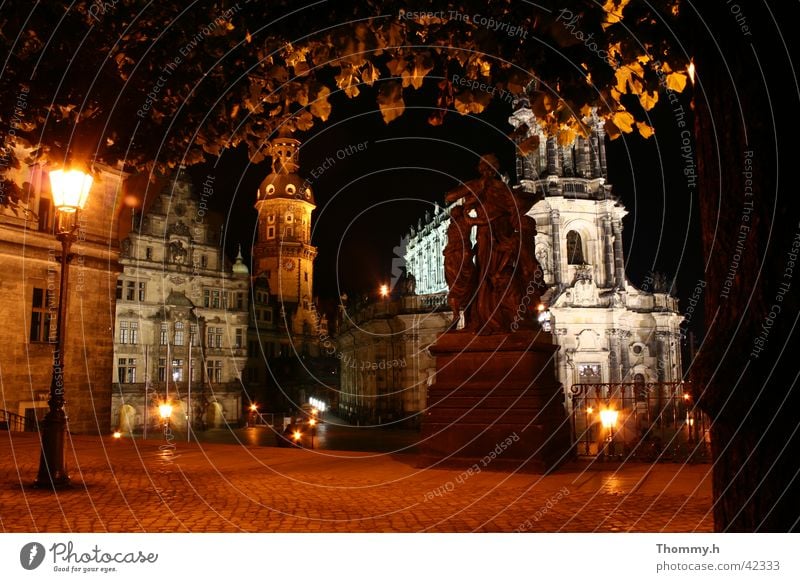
(147, 83)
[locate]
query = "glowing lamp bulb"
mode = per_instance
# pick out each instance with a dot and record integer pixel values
(608, 418)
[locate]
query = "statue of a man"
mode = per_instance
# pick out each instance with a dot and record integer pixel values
(459, 269)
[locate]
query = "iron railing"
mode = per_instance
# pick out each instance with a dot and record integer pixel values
(644, 421)
(17, 423)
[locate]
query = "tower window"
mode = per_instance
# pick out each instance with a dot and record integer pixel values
(574, 248)
(270, 232)
(271, 218)
(289, 217)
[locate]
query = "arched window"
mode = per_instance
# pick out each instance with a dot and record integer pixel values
(574, 248)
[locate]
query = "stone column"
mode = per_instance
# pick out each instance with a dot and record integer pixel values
(625, 353)
(555, 224)
(619, 261)
(553, 157)
(662, 362)
(613, 354)
(608, 252)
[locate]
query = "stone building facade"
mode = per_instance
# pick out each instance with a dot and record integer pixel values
(30, 263)
(181, 316)
(608, 329)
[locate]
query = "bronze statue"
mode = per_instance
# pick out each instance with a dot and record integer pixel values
(491, 283)
(459, 269)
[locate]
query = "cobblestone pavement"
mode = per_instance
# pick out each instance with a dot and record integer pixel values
(134, 486)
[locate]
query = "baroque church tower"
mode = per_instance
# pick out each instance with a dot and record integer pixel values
(608, 329)
(283, 254)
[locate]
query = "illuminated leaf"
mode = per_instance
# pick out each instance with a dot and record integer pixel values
(644, 130)
(370, 74)
(529, 145)
(390, 101)
(321, 107)
(613, 10)
(624, 121)
(566, 136)
(676, 81)
(612, 131)
(648, 100)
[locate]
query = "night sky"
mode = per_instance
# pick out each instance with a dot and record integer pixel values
(368, 199)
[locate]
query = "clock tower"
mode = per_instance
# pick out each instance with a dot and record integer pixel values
(283, 254)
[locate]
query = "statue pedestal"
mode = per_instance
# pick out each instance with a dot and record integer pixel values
(496, 404)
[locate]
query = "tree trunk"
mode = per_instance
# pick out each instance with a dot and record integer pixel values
(746, 372)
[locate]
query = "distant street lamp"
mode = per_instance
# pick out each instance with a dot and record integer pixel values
(165, 411)
(608, 418)
(70, 191)
(384, 291)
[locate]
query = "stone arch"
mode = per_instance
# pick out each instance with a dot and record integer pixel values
(126, 419)
(215, 415)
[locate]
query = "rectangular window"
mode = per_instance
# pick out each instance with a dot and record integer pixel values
(40, 315)
(206, 298)
(162, 337)
(123, 332)
(126, 370)
(162, 369)
(119, 289)
(148, 253)
(141, 291)
(270, 232)
(215, 337)
(214, 370)
(268, 315)
(193, 335)
(130, 291)
(589, 374)
(239, 341)
(215, 302)
(204, 261)
(44, 214)
(134, 336)
(305, 276)
(178, 333)
(240, 301)
(177, 370)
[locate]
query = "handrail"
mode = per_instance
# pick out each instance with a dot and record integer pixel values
(14, 422)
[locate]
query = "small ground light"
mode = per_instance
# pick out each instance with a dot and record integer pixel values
(589, 410)
(117, 434)
(686, 396)
(297, 434)
(253, 408)
(384, 290)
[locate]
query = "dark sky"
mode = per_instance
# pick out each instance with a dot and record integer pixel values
(367, 200)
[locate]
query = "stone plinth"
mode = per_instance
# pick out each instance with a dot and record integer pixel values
(496, 402)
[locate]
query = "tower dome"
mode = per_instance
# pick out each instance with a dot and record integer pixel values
(239, 268)
(283, 181)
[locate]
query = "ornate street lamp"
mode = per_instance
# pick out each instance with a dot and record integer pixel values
(70, 190)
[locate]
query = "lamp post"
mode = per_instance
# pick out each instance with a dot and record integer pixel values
(70, 190)
(312, 424)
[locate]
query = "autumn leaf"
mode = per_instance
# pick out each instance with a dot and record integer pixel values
(613, 9)
(304, 121)
(612, 131)
(648, 100)
(566, 136)
(624, 121)
(644, 130)
(390, 101)
(321, 107)
(529, 145)
(370, 74)
(676, 82)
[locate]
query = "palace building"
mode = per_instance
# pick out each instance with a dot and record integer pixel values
(181, 316)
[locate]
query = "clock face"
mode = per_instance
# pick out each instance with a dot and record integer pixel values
(288, 264)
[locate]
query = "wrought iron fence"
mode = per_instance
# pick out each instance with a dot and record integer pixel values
(644, 421)
(15, 422)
